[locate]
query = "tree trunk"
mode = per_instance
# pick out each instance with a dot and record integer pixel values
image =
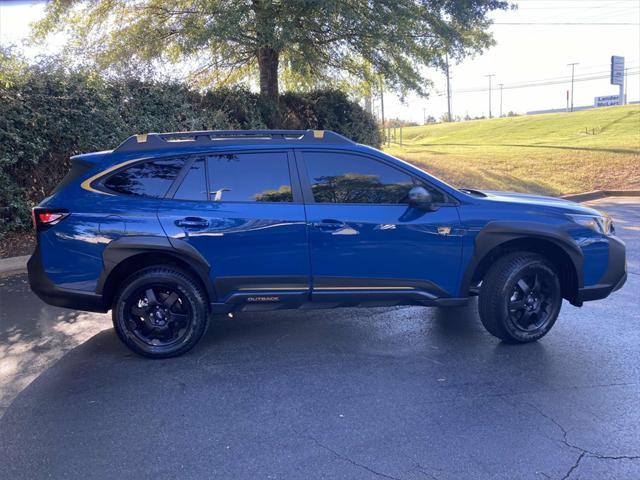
(268, 61)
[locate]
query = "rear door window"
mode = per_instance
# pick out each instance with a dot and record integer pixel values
(194, 184)
(149, 179)
(249, 177)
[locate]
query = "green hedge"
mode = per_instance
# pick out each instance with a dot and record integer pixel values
(48, 114)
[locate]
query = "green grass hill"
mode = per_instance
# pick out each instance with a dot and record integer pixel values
(553, 154)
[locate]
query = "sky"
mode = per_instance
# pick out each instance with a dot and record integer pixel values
(534, 44)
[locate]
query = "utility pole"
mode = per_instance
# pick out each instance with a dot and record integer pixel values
(500, 85)
(623, 100)
(446, 56)
(490, 75)
(382, 105)
(572, 65)
(424, 116)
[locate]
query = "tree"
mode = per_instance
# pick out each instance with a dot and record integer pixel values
(227, 40)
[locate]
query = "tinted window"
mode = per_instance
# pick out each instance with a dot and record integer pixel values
(249, 177)
(193, 187)
(346, 178)
(151, 179)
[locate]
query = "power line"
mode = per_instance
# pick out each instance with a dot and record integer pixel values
(560, 81)
(577, 7)
(565, 23)
(581, 1)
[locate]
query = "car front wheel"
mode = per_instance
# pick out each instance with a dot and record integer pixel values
(520, 298)
(160, 312)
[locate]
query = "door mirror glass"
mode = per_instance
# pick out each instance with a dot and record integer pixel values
(419, 197)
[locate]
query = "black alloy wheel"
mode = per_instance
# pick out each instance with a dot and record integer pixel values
(160, 312)
(520, 297)
(158, 315)
(533, 300)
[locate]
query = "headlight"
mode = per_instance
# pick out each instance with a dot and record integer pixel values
(600, 224)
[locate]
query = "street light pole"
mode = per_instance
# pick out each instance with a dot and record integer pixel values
(572, 65)
(500, 85)
(490, 75)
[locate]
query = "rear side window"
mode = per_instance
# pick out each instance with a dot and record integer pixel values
(249, 177)
(149, 179)
(347, 178)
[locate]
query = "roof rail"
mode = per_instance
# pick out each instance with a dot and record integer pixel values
(209, 138)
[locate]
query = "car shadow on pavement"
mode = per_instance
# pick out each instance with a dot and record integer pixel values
(390, 388)
(34, 335)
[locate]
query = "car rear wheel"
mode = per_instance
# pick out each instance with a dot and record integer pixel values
(160, 312)
(520, 298)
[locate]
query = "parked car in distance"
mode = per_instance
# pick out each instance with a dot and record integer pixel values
(170, 228)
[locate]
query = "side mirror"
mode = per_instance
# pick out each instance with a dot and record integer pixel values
(419, 197)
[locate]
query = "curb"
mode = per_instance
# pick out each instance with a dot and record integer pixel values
(13, 264)
(597, 194)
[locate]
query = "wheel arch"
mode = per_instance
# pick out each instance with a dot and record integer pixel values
(499, 238)
(127, 255)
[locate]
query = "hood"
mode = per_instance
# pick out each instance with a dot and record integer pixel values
(559, 204)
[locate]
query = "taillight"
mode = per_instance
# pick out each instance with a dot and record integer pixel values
(45, 218)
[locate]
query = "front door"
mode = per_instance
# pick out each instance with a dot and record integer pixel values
(363, 235)
(244, 214)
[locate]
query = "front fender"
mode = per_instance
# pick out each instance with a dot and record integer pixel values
(498, 233)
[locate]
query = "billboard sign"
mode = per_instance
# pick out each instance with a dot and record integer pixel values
(606, 101)
(617, 70)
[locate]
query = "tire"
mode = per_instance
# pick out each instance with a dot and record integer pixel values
(520, 298)
(160, 312)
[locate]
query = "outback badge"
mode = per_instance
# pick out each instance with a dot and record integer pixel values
(263, 299)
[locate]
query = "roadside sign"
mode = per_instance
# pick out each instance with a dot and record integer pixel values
(606, 101)
(617, 70)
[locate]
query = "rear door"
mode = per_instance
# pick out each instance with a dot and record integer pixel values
(243, 212)
(363, 235)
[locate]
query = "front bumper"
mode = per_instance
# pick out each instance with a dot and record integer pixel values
(56, 296)
(614, 277)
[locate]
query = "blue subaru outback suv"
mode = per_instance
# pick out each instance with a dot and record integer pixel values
(168, 229)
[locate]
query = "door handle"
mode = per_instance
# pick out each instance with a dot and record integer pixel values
(329, 224)
(192, 223)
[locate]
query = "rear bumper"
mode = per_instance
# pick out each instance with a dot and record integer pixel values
(613, 279)
(50, 293)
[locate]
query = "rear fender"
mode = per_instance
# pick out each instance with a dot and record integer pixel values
(120, 250)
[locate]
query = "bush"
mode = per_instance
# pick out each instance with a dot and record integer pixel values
(48, 114)
(329, 110)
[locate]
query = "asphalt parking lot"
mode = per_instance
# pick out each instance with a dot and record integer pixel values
(396, 393)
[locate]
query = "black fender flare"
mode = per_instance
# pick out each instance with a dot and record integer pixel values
(126, 247)
(497, 233)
